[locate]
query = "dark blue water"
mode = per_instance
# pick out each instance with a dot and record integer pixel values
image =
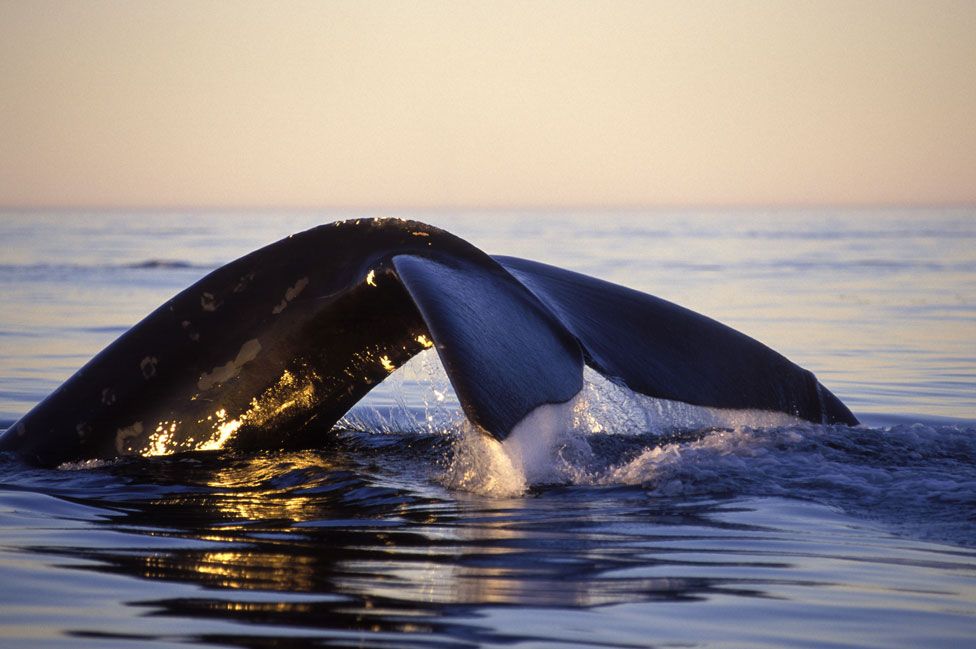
(646, 524)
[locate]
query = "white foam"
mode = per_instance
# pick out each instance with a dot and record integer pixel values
(726, 449)
(543, 448)
(87, 465)
(604, 406)
(479, 464)
(533, 443)
(550, 445)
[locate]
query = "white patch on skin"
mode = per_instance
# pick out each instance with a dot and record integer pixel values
(188, 328)
(148, 367)
(243, 283)
(125, 434)
(208, 302)
(295, 290)
(108, 396)
(249, 351)
(290, 295)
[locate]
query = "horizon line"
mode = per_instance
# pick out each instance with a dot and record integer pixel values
(475, 208)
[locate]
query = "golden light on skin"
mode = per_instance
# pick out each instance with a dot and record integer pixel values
(387, 365)
(555, 102)
(161, 438)
(371, 278)
(423, 340)
(225, 431)
(288, 392)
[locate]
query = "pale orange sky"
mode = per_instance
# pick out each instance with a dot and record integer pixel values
(427, 104)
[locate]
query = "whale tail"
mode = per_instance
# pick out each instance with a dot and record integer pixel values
(666, 351)
(272, 349)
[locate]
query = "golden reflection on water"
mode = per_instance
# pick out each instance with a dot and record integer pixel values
(264, 506)
(241, 570)
(389, 550)
(242, 502)
(293, 524)
(429, 558)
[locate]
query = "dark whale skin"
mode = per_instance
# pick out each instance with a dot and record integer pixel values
(270, 350)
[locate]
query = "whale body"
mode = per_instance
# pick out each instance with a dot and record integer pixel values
(271, 350)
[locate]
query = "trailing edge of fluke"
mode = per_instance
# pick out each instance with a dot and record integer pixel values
(272, 349)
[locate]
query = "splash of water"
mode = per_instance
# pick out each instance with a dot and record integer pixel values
(551, 445)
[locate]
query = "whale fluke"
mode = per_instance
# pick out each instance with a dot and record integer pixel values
(666, 351)
(272, 349)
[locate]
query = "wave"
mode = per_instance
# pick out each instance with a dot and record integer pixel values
(163, 263)
(918, 479)
(914, 479)
(145, 264)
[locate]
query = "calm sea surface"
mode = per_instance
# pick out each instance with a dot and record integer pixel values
(647, 526)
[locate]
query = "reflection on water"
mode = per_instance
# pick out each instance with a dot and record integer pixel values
(304, 523)
(345, 553)
(326, 548)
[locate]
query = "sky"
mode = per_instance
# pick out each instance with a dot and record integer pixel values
(486, 104)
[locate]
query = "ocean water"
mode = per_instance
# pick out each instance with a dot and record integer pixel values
(647, 524)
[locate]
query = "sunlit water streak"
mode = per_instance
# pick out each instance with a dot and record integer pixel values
(633, 523)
